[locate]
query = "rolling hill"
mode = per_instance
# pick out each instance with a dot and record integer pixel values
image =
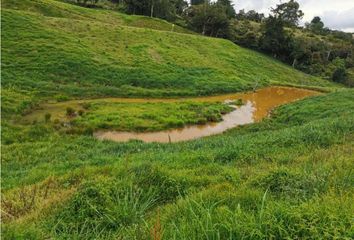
(68, 50)
(287, 177)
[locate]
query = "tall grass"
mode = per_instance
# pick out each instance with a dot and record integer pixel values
(281, 178)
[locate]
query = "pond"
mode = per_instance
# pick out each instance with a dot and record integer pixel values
(256, 106)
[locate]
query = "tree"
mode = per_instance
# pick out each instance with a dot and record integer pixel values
(138, 7)
(339, 74)
(289, 13)
(241, 15)
(180, 6)
(316, 25)
(243, 33)
(165, 9)
(197, 2)
(275, 40)
(209, 19)
(250, 15)
(301, 53)
(254, 16)
(228, 8)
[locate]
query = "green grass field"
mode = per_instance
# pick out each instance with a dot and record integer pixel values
(62, 50)
(287, 177)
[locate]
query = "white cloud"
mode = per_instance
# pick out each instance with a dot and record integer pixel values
(339, 20)
(338, 14)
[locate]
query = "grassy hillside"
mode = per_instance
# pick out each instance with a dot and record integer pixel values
(67, 50)
(287, 177)
(57, 9)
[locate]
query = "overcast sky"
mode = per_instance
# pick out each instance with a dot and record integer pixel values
(336, 14)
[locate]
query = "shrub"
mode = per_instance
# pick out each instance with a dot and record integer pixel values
(80, 112)
(339, 75)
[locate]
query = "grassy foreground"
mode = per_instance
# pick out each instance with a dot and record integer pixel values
(286, 177)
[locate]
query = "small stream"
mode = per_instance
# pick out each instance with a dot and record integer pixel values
(257, 105)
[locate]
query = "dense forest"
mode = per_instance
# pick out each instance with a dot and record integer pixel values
(313, 48)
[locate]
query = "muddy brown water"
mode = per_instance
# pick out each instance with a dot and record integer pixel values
(257, 105)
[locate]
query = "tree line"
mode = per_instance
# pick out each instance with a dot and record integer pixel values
(314, 49)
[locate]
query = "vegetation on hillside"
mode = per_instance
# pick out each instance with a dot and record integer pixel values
(313, 49)
(50, 52)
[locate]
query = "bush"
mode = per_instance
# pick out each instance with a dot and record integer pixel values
(339, 75)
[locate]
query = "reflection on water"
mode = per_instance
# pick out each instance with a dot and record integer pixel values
(257, 106)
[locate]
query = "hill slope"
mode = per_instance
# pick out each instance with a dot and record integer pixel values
(66, 49)
(287, 177)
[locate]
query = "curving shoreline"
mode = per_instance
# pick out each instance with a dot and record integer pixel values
(257, 106)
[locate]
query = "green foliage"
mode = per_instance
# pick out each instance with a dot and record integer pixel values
(275, 40)
(155, 8)
(244, 33)
(316, 25)
(209, 19)
(251, 15)
(228, 7)
(339, 74)
(289, 13)
(197, 2)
